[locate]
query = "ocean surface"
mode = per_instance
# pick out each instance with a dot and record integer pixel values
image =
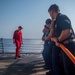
(29, 46)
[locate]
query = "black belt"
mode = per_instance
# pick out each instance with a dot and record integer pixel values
(68, 41)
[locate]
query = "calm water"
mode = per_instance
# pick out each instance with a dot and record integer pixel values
(29, 45)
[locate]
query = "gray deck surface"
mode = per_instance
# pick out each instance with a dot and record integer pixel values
(28, 64)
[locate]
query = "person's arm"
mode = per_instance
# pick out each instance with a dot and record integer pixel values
(50, 34)
(21, 38)
(13, 41)
(51, 31)
(66, 28)
(43, 37)
(65, 25)
(64, 34)
(14, 38)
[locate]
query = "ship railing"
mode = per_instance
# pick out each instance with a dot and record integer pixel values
(29, 46)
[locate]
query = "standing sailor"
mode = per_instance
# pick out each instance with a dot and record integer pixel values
(17, 40)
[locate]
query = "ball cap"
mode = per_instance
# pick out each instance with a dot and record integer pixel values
(20, 27)
(48, 21)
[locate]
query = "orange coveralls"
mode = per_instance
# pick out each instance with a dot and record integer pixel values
(18, 41)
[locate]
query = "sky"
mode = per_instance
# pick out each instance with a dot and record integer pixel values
(31, 15)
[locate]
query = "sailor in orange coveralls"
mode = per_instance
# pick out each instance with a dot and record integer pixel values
(17, 40)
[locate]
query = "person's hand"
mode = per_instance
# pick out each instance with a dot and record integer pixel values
(46, 38)
(22, 42)
(52, 39)
(57, 44)
(43, 38)
(13, 41)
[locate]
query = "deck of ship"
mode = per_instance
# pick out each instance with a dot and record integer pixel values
(28, 64)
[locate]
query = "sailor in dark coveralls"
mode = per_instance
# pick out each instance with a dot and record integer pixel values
(65, 35)
(46, 50)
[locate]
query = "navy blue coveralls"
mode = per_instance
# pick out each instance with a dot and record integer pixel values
(46, 51)
(59, 58)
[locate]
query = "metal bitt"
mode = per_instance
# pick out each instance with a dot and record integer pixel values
(2, 45)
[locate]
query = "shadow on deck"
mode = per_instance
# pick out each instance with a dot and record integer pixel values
(27, 65)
